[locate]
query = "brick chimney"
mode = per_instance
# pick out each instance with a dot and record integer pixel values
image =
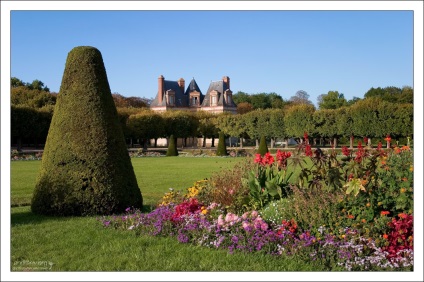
(161, 83)
(226, 80)
(181, 83)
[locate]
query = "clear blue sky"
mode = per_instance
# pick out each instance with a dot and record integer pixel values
(261, 51)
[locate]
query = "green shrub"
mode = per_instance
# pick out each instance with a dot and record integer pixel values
(172, 148)
(263, 148)
(222, 148)
(275, 210)
(85, 168)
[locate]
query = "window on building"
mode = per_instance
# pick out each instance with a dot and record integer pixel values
(213, 100)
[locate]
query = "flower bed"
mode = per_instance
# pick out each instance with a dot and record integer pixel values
(351, 212)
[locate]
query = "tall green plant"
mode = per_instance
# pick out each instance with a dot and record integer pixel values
(172, 148)
(263, 148)
(86, 168)
(222, 148)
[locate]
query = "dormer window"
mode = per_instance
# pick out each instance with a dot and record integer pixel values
(194, 99)
(228, 95)
(214, 98)
(170, 97)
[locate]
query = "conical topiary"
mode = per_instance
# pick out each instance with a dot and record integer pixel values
(222, 148)
(263, 148)
(85, 168)
(172, 148)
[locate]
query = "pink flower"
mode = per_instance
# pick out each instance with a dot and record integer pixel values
(254, 214)
(221, 220)
(245, 225)
(264, 226)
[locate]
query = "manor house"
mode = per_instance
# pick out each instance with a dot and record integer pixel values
(172, 95)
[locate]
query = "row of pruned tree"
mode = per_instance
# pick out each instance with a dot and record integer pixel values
(371, 118)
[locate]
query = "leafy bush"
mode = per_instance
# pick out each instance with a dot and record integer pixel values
(86, 168)
(227, 188)
(269, 180)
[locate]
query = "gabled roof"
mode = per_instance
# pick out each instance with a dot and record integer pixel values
(193, 87)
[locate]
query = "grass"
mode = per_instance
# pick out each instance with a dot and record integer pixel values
(154, 175)
(82, 244)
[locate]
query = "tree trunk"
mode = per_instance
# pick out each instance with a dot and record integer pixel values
(241, 142)
(145, 140)
(204, 142)
(213, 142)
(335, 142)
(351, 142)
(19, 144)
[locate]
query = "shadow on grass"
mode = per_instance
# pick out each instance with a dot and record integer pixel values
(21, 215)
(28, 217)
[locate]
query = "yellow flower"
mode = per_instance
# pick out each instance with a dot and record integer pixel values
(411, 168)
(368, 204)
(379, 203)
(402, 190)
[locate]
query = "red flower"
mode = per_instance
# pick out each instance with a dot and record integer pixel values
(308, 151)
(388, 139)
(385, 236)
(268, 159)
(258, 159)
(385, 213)
(305, 135)
(345, 151)
(351, 216)
(365, 140)
(379, 146)
(282, 158)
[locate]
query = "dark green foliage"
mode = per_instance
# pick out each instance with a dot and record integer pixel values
(263, 148)
(86, 168)
(222, 148)
(172, 148)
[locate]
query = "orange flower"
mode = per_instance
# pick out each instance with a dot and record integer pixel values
(368, 204)
(402, 190)
(405, 148)
(388, 139)
(351, 216)
(363, 220)
(385, 213)
(385, 236)
(402, 215)
(404, 179)
(397, 150)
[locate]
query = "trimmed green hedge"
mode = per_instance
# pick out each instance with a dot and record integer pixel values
(86, 168)
(263, 148)
(172, 148)
(222, 148)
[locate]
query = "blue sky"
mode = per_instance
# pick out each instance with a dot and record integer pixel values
(355, 46)
(261, 51)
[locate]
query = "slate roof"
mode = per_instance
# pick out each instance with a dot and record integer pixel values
(180, 99)
(193, 87)
(220, 86)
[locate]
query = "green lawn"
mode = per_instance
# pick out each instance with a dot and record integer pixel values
(154, 175)
(82, 244)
